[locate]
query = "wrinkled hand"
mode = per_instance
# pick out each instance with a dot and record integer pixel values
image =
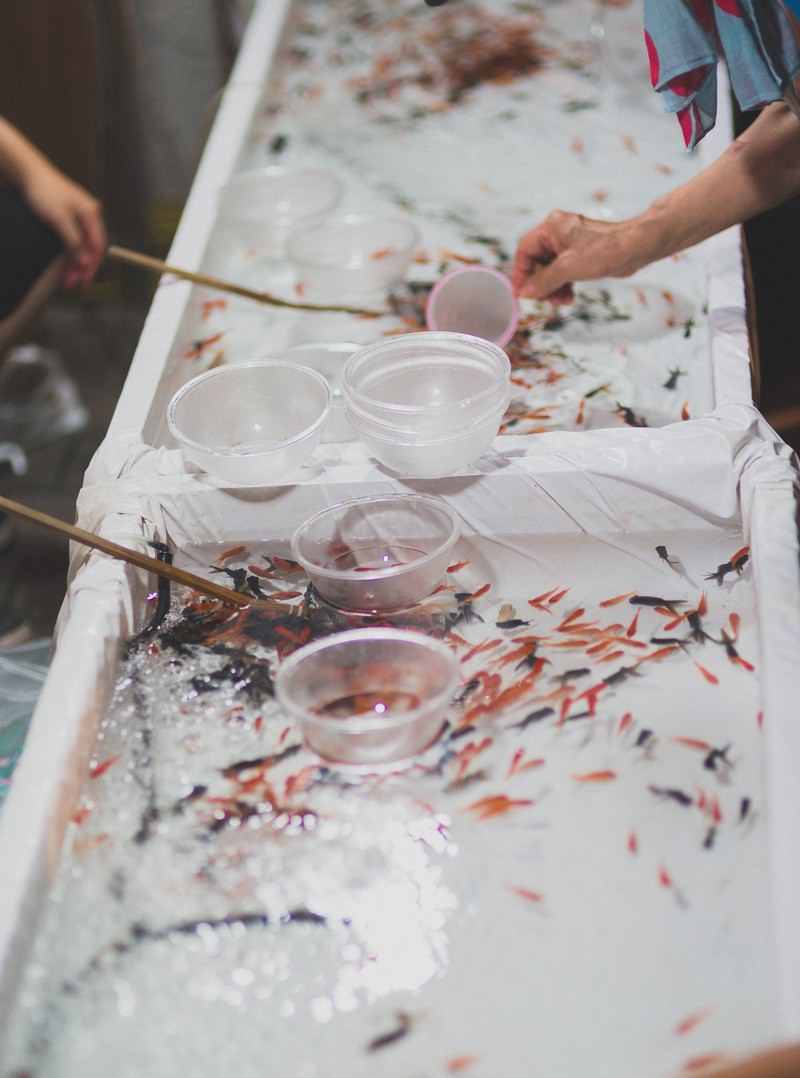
(75, 215)
(568, 247)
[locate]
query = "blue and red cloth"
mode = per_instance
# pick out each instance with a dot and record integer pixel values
(685, 38)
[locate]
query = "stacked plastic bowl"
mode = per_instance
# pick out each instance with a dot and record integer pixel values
(427, 404)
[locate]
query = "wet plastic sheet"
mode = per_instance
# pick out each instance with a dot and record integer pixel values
(624, 850)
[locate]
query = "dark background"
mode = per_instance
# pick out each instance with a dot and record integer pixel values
(69, 79)
(772, 248)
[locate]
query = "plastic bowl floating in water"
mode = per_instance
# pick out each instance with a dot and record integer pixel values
(427, 404)
(427, 384)
(474, 299)
(250, 423)
(383, 552)
(352, 254)
(262, 206)
(328, 360)
(369, 696)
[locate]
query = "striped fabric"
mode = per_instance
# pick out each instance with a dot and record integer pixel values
(684, 39)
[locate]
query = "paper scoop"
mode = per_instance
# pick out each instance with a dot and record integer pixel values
(474, 299)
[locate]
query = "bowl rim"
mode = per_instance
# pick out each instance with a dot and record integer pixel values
(357, 724)
(385, 430)
(391, 572)
(332, 347)
(295, 353)
(336, 220)
(476, 267)
(216, 451)
(420, 341)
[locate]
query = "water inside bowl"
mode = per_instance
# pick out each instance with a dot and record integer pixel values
(376, 557)
(370, 702)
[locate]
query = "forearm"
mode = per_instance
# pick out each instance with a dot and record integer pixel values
(19, 158)
(758, 171)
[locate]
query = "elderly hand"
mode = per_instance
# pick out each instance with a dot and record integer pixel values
(568, 247)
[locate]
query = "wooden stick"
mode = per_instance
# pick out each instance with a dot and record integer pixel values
(774, 1063)
(124, 254)
(141, 561)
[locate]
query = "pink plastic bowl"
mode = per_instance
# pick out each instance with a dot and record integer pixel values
(476, 300)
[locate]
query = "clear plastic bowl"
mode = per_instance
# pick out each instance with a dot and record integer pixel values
(352, 254)
(369, 696)
(474, 299)
(411, 430)
(262, 206)
(329, 360)
(383, 552)
(427, 384)
(433, 458)
(250, 423)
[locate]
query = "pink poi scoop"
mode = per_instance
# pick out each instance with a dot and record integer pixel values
(474, 299)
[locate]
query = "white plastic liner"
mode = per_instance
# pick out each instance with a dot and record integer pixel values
(605, 482)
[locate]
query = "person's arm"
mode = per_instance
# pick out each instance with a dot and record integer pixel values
(68, 208)
(758, 171)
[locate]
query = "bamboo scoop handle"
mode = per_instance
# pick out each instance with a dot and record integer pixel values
(781, 1062)
(124, 254)
(141, 561)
